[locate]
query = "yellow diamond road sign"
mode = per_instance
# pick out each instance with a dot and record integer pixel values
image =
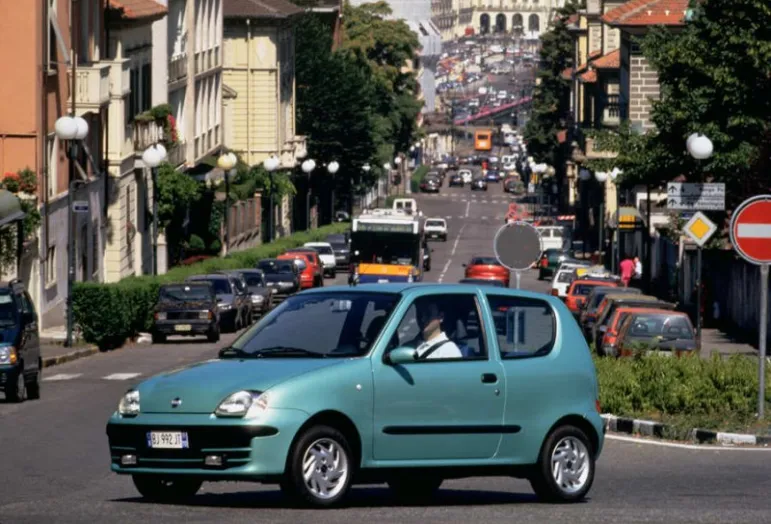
(700, 228)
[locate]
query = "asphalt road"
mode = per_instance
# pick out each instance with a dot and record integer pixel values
(54, 459)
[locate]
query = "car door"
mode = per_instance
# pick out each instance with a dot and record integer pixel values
(438, 408)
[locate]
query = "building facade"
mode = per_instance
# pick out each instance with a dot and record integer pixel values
(444, 15)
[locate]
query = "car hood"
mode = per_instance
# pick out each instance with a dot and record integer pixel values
(258, 290)
(202, 386)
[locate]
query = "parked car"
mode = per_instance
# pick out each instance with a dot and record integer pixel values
(435, 228)
(553, 237)
(283, 276)
(188, 309)
(279, 404)
(342, 248)
(514, 186)
(612, 302)
(657, 331)
(309, 277)
(262, 294)
(467, 175)
(487, 268)
(550, 260)
(609, 343)
(233, 304)
(479, 184)
(243, 290)
(326, 255)
(312, 259)
(563, 277)
(21, 365)
(581, 289)
(588, 310)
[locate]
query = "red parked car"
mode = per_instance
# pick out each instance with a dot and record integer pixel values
(487, 268)
(308, 276)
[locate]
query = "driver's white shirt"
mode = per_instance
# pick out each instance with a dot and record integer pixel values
(447, 350)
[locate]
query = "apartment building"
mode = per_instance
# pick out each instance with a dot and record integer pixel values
(444, 15)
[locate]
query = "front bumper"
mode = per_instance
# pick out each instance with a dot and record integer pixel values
(248, 450)
(8, 374)
(436, 234)
(183, 327)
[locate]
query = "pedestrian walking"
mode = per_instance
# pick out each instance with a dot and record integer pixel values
(627, 268)
(638, 270)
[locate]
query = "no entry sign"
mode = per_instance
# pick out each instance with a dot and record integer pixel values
(751, 229)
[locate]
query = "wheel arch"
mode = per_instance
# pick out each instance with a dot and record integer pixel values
(340, 422)
(581, 423)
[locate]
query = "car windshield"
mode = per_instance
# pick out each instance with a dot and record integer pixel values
(182, 293)
(323, 250)
(8, 310)
(221, 285)
(583, 289)
(334, 324)
(675, 327)
(485, 261)
(339, 246)
(254, 279)
(434, 223)
(275, 267)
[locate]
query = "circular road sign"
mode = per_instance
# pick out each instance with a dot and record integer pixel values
(518, 245)
(751, 229)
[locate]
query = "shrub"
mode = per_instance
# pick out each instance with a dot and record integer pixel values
(196, 243)
(715, 391)
(108, 314)
(417, 177)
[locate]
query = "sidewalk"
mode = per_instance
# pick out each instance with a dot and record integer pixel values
(53, 351)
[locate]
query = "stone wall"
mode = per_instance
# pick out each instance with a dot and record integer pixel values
(643, 86)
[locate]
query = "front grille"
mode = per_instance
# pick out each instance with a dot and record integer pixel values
(183, 315)
(232, 443)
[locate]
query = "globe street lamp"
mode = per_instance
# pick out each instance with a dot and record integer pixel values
(271, 164)
(308, 166)
(74, 130)
(617, 249)
(332, 168)
(227, 162)
(152, 158)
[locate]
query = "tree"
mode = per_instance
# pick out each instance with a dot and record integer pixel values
(715, 76)
(176, 193)
(551, 98)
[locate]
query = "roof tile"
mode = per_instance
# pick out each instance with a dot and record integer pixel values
(611, 60)
(259, 9)
(137, 9)
(648, 13)
(589, 77)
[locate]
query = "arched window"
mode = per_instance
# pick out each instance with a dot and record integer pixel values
(533, 23)
(517, 21)
(484, 24)
(500, 23)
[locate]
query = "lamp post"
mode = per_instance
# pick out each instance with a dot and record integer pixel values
(617, 246)
(152, 158)
(308, 166)
(602, 177)
(387, 168)
(399, 173)
(584, 175)
(73, 130)
(271, 164)
(227, 162)
(366, 169)
(332, 168)
(699, 147)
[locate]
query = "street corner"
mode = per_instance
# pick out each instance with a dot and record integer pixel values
(64, 356)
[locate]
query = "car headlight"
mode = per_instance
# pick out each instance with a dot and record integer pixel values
(258, 299)
(223, 306)
(205, 315)
(129, 404)
(161, 315)
(8, 355)
(243, 404)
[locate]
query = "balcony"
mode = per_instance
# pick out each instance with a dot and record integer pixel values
(176, 154)
(292, 151)
(92, 87)
(147, 133)
(207, 60)
(611, 114)
(178, 68)
(206, 142)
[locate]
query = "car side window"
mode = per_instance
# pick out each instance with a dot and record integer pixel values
(26, 304)
(445, 327)
(525, 327)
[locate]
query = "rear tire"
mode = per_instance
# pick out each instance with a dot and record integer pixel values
(158, 338)
(33, 386)
(213, 335)
(565, 468)
(160, 489)
(17, 392)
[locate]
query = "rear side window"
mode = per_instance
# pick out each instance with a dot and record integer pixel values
(484, 261)
(565, 276)
(582, 290)
(525, 327)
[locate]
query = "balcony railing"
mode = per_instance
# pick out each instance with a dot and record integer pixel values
(176, 154)
(177, 68)
(207, 59)
(612, 110)
(520, 8)
(92, 87)
(147, 133)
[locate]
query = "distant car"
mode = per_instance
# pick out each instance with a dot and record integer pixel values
(327, 256)
(550, 260)
(339, 382)
(481, 282)
(435, 228)
(233, 304)
(467, 175)
(20, 357)
(479, 184)
(487, 268)
(493, 176)
(456, 180)
(430, 185)
(188, 309)
(668, 331)
(262, 294)
(281, 275)
(553, 237)
(514, 186)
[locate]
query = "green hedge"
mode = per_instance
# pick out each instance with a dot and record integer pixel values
(417, 177)
(713, 393)
(108, 314)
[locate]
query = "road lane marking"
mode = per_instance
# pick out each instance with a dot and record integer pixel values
(468, 205)
(448, 216)
(695, 447)
(61, 376)
(452, 253)
(484, 218)
(122, 376)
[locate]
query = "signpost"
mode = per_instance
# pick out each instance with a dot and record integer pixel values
(700, 229)
(689, 197)
(751, 237)
(80, 206)
(517, 246)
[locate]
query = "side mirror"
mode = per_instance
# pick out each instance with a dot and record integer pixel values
(401, 356)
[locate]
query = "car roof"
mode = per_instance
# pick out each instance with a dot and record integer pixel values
(412, 287)
(210, 276)
(319, 244)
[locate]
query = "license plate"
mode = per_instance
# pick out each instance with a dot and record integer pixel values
(434, 235)
(183, 327)
(382, 281)
(167, 440)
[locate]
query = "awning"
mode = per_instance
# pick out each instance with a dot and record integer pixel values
(630, 219)
(58, 32)
(10, 208)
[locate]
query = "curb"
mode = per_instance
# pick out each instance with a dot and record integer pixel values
(69, 357)
(649, 428)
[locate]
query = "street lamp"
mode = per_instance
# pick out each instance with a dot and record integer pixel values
(700, 147)
(152, 158)
(227, 162)
(617, 250)
(602, 177)
(366, 168)
(333, 167)
(73, 130)
(271, 164)
(308, 166)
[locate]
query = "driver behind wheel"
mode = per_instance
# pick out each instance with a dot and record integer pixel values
(433, 341)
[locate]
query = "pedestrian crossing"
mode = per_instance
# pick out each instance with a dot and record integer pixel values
(63, 377)
(474, 198)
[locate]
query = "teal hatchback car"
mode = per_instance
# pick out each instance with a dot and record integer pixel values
(406, 384)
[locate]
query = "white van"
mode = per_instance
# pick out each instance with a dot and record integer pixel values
(408, 205)
(553, 237)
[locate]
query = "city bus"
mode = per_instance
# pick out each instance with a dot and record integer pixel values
(387, 245)
(483, 140)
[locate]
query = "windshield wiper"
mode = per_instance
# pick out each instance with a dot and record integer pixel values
(231, 352)
(286, 351)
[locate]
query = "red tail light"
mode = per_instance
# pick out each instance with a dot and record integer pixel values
(597, 406)
(544, 262)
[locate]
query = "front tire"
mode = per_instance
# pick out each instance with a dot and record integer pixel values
(320, 468)
(160, 489)
(33, 386)
(565, 468)
(213, 335)
(17, 392)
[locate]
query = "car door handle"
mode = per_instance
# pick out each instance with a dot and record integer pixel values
(489, 378)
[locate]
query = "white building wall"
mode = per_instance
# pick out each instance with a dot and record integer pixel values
(160, 58)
